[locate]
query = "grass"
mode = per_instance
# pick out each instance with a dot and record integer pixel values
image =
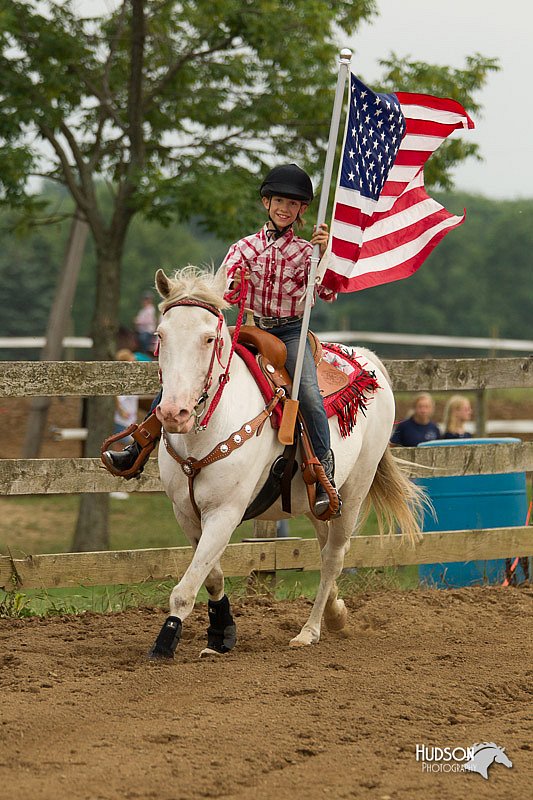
(109, 599)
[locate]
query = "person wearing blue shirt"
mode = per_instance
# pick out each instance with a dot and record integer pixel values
(418, 427)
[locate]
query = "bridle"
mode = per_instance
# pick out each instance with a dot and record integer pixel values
(218, 345)
(199, 410)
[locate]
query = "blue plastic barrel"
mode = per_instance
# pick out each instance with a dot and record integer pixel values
(469, 502)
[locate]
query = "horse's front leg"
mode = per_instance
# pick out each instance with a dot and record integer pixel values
(222, 631)
(217, 527)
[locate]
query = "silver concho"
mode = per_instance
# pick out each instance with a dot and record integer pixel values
(224, 448)
(237, 438)
(270, 368)
(188, 470)
(248, 428)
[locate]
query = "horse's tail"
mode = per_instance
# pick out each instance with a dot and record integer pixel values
(398, 502)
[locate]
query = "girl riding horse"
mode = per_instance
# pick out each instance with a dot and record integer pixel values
(274, 262)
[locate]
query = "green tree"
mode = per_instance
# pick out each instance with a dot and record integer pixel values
(178, 106)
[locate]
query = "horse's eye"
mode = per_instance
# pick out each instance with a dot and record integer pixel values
(210, 339)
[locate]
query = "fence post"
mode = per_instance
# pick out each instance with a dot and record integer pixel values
(481, 412)
(263, 579)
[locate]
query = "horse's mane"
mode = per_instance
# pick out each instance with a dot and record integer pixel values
(194, 283)
(486, 746)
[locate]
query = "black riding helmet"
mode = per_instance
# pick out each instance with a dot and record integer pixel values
(288, 180)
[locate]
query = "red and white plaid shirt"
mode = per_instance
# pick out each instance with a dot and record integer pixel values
(278, 271)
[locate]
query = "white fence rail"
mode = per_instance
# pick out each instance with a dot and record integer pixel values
(348, 337)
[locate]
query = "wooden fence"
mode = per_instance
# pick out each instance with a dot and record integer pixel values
(74, 475)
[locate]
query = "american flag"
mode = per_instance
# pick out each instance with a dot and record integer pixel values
(384, 224)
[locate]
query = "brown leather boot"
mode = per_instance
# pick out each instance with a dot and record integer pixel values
(129, 463)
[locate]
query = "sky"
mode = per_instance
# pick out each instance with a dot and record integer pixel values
(445, 33)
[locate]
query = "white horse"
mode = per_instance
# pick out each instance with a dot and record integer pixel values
(194, 342)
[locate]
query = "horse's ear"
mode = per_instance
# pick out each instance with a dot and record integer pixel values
(162, 283)
(220, 281)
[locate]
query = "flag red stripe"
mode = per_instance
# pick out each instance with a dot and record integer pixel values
(412, 158)
(428, 127)
(348, 214)
(341, 283)
(355, 216)
(352, 215)
(344, 249)
(438, 103)
(408, 199)
(382, 244)
(393, 188)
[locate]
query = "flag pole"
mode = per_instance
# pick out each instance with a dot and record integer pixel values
(286, 431)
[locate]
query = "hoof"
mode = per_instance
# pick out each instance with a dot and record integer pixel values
(208, 651)
(167, 641)
(337, 618)
(304, 639)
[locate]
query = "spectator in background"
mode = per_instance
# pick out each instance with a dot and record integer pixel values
(146, 323)
(126, 412)
(126, 406)
(458, 411)
(418, 427)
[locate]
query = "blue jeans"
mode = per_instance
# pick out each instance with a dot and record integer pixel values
(125, 439)
(311, 401)
(155, 403)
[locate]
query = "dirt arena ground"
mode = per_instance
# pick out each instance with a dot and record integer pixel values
(84, 715)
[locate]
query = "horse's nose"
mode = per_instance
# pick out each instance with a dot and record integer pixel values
(173, 416)
(172, 413)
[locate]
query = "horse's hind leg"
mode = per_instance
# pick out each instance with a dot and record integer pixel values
(335, 611)
(333, 552)
(222, 632)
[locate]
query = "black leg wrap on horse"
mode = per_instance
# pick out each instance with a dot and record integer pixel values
(222, 632)
(168, 639)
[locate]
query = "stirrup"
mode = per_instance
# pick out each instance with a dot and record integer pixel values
(329, 510)
(146, 435)
(324, 471)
